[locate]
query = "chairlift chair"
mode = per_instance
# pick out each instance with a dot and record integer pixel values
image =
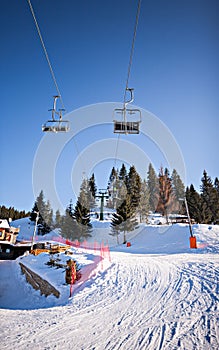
(125, 125)
(54, 124)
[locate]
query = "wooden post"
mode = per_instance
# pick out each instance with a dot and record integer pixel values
(70, 272)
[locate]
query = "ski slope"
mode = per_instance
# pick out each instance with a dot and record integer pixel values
(140, 299)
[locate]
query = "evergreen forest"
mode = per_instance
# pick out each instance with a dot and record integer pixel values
(12, 213)
(130, 199)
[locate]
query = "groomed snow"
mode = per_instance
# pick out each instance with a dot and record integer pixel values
(156, 294)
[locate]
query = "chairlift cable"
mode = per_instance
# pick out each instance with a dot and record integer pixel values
(117, 148)
(46, 53)
(129, 69)
(51, 70)
(132, 48)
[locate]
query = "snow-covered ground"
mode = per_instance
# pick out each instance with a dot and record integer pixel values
(156, 294)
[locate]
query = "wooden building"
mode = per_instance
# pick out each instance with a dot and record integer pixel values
(7, 232)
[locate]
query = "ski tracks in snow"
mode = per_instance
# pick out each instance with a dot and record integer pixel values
(179, 307)
(143, 302)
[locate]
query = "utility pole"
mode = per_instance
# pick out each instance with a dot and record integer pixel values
(35, 227)
(102, 195)
(192, 237)
(189, 219)
(188, 215)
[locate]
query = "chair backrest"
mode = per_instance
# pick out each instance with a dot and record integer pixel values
(56, 126)
(121, 127)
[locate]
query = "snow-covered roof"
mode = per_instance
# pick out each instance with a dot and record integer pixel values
(4, 223)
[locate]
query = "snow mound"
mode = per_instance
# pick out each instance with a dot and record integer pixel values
(27, 230)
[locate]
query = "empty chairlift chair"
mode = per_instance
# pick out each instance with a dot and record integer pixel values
(127, 120)
(56, 124)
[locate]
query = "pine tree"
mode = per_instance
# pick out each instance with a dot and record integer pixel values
(121, 193)
(45, 213)
(143, 207)
(11, 212)
(115, 230)
(178, 190)
(70, 209)
(4, 213)
(210, 199)
(117, 187)
(34, 212)
(194, 201)
(153, 188)
(113, 175)
(14, 214)
(93, 190)
(133, 184)
(58, 219)
(165, 201)
(82, 220)
(82, 210)
(48, 214)
(113, 186)
(69, 227)
(124, 219)
(216, 185)
(81, 214)
(123, 173)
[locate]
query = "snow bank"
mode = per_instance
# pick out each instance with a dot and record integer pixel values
(149, 239)
(27, 230)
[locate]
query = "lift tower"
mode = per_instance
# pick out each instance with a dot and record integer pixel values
(102, 195)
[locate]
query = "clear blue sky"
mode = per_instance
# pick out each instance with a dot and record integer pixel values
(175, 73)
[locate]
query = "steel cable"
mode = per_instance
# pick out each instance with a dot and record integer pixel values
(129, 69)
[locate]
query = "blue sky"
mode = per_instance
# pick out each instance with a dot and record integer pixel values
(175, 73)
